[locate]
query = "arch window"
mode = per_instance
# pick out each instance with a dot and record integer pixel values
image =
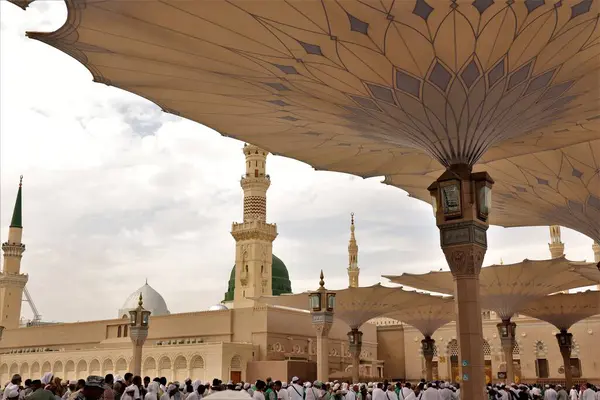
(236, 362)
(164, 367)
(121, 366)
(81, 371)
(181, 368)
(150, 367)
(70, 370)
(197, 368)
(46, 367)
(58, 368)
(108, 367)
(35, 370)
(95, 367)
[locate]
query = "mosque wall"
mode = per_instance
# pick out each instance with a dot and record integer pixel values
(390, 341)
(535, 340)
(176, 362)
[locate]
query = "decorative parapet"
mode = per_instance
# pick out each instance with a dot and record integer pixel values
(254, 230)
(19, 280)
(13, 249)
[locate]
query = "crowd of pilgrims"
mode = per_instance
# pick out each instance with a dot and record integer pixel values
(130, 387)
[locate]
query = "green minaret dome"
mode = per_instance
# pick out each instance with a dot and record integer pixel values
(280, 279)
(17, 217)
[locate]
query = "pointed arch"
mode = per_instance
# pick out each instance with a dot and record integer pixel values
(164, 367)
(4, 373)
(70, 370)
(95, 367)
(35, 370)
(180, 365)
(540, 349)
(236, 363)
(108, 366)
(14, 369)
(197, 368)
(81, 370)
(24, 371)
(46, 367)
(58, 368)
(149, 367)
(121, 366)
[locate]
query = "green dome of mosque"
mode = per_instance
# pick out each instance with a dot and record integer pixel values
(280, 279)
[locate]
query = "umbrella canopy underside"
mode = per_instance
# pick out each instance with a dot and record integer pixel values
(355, 306)
(371, 88)
(505, 289)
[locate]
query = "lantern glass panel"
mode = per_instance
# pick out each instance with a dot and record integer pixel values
(450, 196)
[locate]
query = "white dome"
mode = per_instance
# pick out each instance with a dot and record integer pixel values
(153, 301)
(218, 307)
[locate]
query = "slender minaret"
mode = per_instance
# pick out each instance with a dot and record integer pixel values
(254, 237)
(12, 281)
(353, 270)
(557, 247)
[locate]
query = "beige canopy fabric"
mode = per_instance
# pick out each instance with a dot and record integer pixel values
(590, 271)
(564, 310)
(371, 88)
(505, 289)
(355, 306)
(429, 318)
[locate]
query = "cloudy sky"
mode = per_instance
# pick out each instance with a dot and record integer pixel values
(115, 192)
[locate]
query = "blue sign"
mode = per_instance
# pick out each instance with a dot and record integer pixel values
(465, 377)
(465, 363)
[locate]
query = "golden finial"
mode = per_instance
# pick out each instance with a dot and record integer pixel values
(21, 181)
(352, 222)
(501, 261)
(322, 282)
(140, 301)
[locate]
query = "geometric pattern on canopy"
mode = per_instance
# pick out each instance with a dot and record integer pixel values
(564, 310)
(427, 319)
(506, 289)
(355, 306)
(560, 187)
(373, 87)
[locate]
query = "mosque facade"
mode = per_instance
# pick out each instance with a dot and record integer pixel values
(241, 340)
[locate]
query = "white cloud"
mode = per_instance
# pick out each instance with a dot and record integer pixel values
(116, 191)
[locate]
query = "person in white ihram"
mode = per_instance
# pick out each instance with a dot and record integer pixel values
(390, 394)
(588, 393)
(432, 393)
(295, 390)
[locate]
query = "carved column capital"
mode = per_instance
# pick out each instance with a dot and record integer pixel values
(138, 335)
(322, 329)
(465, 260)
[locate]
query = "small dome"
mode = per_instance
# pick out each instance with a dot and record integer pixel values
(153, 302)
(218, 307)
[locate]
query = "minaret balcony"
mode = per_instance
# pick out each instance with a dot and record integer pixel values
(18, 280)
(252, 182)
(13, 249)
(254, 230)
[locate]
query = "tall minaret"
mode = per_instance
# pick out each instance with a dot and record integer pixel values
(254, 237)
(557, 247)
(353, 270)
(12, 281)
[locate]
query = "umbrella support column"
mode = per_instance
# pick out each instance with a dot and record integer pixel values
(427, 345)
(565, 342)
(355, 339)
(507, 330)
(462, 203)
(323, 352)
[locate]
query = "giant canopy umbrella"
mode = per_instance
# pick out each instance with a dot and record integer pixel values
(428, 319)
(589, 270)
(563, 311)
(368, 87)
(506, 289)
(355, 306)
